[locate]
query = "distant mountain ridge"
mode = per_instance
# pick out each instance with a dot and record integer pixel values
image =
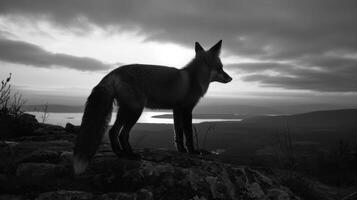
(54, 108)
(327, 119)
(200, 109)
(205, 116)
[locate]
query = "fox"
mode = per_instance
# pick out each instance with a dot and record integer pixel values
(138, 86)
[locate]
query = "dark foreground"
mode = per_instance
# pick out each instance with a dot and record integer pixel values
(39, 166)
(36, 163)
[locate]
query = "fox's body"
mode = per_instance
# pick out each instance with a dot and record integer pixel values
(152, 86)
(137, 86)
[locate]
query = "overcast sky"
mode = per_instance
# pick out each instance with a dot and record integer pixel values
(301, 51)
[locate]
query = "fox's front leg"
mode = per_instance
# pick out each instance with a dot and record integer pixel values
(178, 126)
(187, 127)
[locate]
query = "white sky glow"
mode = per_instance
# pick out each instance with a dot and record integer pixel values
(105, 39)
(125, 48)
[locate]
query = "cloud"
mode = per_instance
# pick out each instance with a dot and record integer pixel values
(293, 38)
(29, 54)
(258, 67)
(291, 76)
(273, 29)
(318, 82)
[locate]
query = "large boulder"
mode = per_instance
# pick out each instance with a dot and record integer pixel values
(72, 128)
(15, 126)
(27, 121)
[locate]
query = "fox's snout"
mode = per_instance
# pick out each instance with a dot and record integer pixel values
(227, 78)
(221, 77)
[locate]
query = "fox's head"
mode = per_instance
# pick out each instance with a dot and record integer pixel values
(212, 60)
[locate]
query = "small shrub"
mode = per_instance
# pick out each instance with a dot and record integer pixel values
(10, 105)
(5, 94)
(43, 112)
(284, 150)
(13, 121)
(211, 128)
(195, 131)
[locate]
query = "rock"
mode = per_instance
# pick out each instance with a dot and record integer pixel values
(43, 156)
(44, 170)
(12, 197)
(7, 147)
(115, 196)
(181, 177)
(162, 155)
(198, 198)
(6, 129)
(210, 179)
(7, 154)
(72, 128)
(142, 194)
(277, 194)
(352, 196)
(26, 124)
(28, 119)
(15, 126)
(49, 137)
(37, 170)
(6, 183)
(67, 195)
(66, 157)
(48, 129)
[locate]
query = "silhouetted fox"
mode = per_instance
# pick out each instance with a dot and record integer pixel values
(137, 86)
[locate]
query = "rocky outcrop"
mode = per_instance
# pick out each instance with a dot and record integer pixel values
(19, 125)
(40, 167)
(72, 128)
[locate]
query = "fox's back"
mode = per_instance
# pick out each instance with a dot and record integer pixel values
(159, 86)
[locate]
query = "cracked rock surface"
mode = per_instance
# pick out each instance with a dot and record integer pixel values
(40, 167)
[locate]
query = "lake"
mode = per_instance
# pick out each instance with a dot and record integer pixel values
(146, 117)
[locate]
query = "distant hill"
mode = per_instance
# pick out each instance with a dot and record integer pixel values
(200, 109)
(330, 119)
(54, 108)
(237, 109)
(205, 116)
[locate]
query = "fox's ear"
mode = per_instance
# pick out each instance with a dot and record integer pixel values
(198, 48)
(216, 49)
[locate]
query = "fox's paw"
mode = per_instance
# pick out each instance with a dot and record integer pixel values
(119, 153)
(182, 150)
(195, 152)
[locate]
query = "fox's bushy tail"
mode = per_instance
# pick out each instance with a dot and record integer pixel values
(97, 114)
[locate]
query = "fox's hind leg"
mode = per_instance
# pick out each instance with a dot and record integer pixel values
(114, 134)
(178, 126)
(130, 116)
